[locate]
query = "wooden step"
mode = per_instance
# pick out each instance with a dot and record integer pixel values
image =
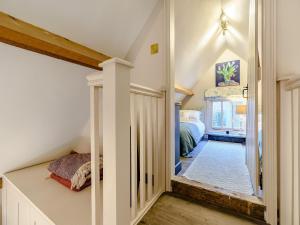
(245, 206)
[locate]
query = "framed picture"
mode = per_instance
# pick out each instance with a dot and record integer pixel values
(228, 73)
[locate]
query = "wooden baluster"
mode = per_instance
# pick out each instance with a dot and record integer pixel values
(95, 153)
(155, 142)
(142, 152)
(149, 148)
(162, 144)
(295, 163)
(133, 156)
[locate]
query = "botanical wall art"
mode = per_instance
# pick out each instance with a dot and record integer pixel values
(228, 73)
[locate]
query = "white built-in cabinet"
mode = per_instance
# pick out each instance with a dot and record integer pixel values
(18, 210)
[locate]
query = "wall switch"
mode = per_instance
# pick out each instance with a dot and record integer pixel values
(154, 48)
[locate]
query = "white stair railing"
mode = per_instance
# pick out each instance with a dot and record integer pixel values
(133, 145)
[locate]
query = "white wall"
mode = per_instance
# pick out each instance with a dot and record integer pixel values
(149, 70)
(288, 36)
(44, 106)
(208, 80)
(199, 41)
(200, 44)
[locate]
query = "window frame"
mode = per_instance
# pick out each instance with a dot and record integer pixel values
(222, 128)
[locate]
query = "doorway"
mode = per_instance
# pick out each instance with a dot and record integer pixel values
(217, 83)
(268, 96)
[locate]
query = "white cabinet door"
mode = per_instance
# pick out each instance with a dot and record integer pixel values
(37, 219)
(24, 211)
(17, 207)
(12, 206)
(17, 210)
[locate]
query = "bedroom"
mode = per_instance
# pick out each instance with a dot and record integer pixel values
(212, 111)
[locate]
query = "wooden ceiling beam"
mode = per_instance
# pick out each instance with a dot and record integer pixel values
(182, 90)
(27, 36)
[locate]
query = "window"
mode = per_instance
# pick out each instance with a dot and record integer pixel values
(225, 115)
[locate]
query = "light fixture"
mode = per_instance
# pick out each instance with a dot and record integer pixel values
(241, 109)
(224, 22)
(245, 92)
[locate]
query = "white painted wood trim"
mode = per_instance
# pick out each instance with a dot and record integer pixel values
(156, 148)
(116, 142)
(134, 193)
(96, 79)
(289, 151)
(142, 151)
(142, 90)
(252, 157)
(149, 149)
(295, 162)
(292, 82)
(116, 61)
(4, 203)
(286, 156)
(269, 108)
(289, 77)
(96, 198)
(34, 207)
(163, 163)
(170, 93)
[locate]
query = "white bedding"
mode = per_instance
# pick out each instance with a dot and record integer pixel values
(200, 126)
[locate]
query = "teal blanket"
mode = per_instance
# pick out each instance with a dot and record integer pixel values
(187, 141)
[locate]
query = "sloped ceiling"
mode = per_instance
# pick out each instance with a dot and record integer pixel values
(109, 26)
(199, 40)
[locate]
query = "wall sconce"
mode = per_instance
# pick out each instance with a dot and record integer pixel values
(224, 22)
(245, 92)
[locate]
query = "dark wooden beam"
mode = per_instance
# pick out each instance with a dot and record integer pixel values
(1, 183)
(27, 36)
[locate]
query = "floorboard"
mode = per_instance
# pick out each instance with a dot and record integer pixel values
(171, 210)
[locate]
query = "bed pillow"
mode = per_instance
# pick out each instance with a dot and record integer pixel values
(189, 115)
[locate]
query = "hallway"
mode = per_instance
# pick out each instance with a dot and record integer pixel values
(170, 210)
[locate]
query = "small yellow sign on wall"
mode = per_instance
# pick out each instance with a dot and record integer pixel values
(154, 49)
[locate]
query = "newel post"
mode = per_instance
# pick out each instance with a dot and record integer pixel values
(116, 142)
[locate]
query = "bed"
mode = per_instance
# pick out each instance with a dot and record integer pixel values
(192, 130)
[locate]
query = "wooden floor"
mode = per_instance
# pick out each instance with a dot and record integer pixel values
(170, 210)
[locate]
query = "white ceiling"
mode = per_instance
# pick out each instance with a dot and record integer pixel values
(199, 40)
(109, 26)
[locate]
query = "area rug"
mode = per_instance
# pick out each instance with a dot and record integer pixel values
(222, 164)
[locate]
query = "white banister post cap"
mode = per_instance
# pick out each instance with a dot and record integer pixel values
(95, 79)
(116, 61)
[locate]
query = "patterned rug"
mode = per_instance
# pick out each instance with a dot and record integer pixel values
(222, 164)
